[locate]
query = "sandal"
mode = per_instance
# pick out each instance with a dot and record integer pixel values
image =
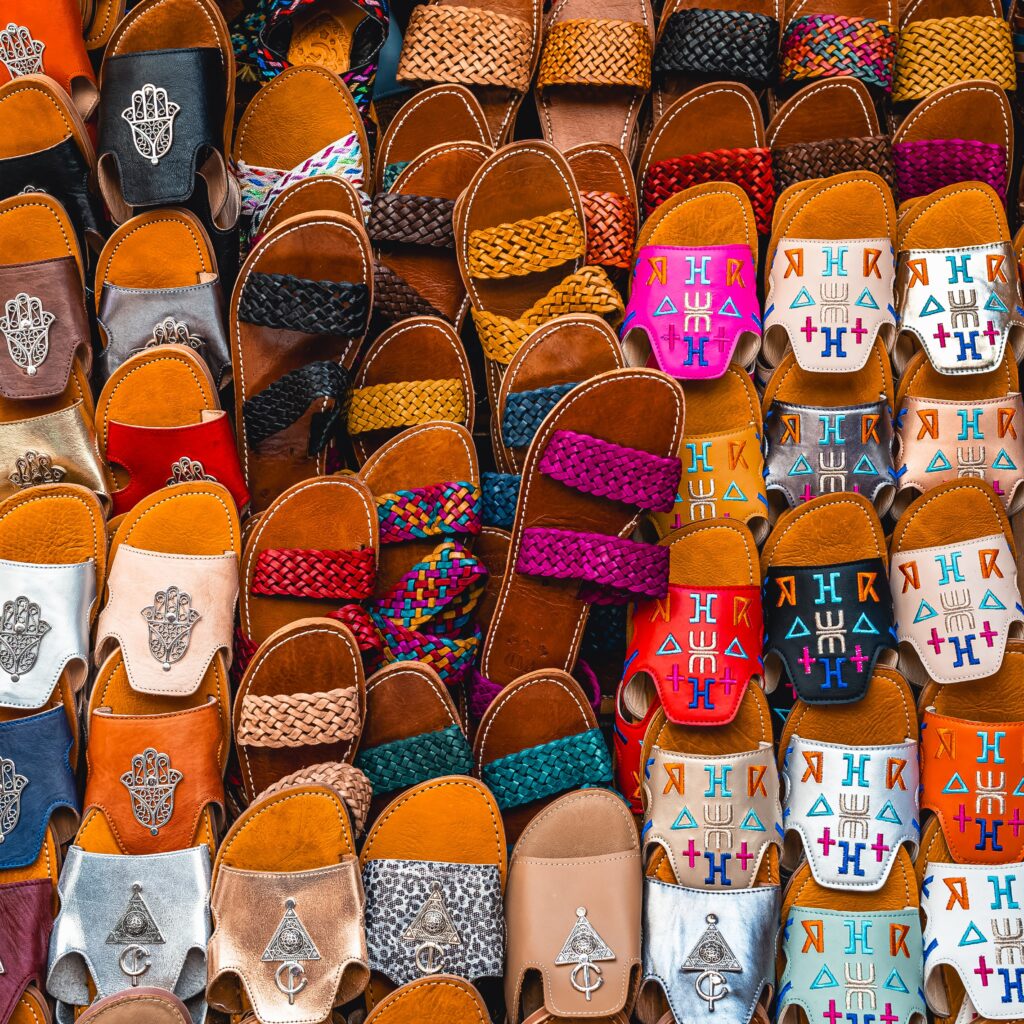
(138, 1006)
(455, 1001)
(312, 195)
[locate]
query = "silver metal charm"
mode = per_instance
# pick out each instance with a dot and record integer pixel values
(19, 52)
(22, 629)
(186, 471)
(136, 923)
(290, 944)
(174, 332)
(151, 784)
(134, 961)
(430, 930)
(712, 957)
(26, 326)
(11, 785)
(171, 618)
(151, 118)
(583, 948)
(35, 468)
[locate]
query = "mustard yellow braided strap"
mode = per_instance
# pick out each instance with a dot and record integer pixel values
(405, 404)
(598, 51)
(526, 246)
(589, 290)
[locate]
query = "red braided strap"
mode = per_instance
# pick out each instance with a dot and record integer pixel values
(358, 620)
(307, 572)
(611, 228)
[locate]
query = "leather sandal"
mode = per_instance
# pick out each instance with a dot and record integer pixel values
(312, 195)
(138, 1006)
(957, 533)
(448, 998)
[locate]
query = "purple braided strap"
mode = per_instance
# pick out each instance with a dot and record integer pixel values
(611, 570)
(480, 691)
(924, 165)
(608, 470)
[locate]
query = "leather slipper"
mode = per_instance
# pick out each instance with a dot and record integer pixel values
(443, 997)
(138, 1006)
(309, 195)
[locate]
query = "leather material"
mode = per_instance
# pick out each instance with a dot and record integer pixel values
(828, 626)
(713, 815)
(960, 303)
(38, 781)
(679, 952)
(134, 318)
(26, 917)
(970, 925)
(815, 450)
(627, 744)
(168, 640)
(701, 646)
(64, 596)
(255, 938)
(831, 299)
(110, 906)
(957, 605)
(852, 808)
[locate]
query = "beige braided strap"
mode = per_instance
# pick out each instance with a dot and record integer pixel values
(299, 719)
(940, 51)
(446, 43)
(406, 404)
(526, 246)
(345, 779)
(589, 290)
(598, 51)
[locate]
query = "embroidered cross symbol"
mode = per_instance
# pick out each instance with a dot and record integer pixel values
(744, 856)
(691, 854)
(880, 848)
(806, 494)
(936, 641)
(807, 661)
(859, 659)
(962, 818)
(675, 677)
(826, 842)
(988, 633)
(983, 970)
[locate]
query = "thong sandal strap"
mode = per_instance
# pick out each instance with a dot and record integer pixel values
(283, 720)
(313, 573)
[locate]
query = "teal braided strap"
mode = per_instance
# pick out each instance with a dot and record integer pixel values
(556, 767)
(500, 492)
(391, 173)
(403, 763)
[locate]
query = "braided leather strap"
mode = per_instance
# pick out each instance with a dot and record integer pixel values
(448, 43)
(596, 51)
(940, 51)
(525, 412)
(805, 160)
(361, 626)
(298, 719)
(925, 165)
(611, 228)
(551, 768)
(751, 169)
(500, 494)
(720, 44)
(604, 635)
(612, 471)
(526, 246)
(408, 762)
(391, 173)
(831, 46)
(394, 299)
(411, 220)
(405, 404)
(285, 401)
(588, 290)
(317, 574)
(288, 303)
(345, 779)
(438, 509)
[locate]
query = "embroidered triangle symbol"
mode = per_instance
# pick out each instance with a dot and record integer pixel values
(932, 306)
(684, 820)
(991, 603)
(895, 983)
(729, 309)
(670, 645)
(752, 823)
(865, 625)
(888, 813)
(735, 649)
(1019, 791)
(1003, 461)
(802, 299)
(733, 493)
(924, 612)
(665, 307)
(955, 785)
(995, 304)
(972, 936)
(801, 467)
(793, 634)
(866, 300)
(825, 979)
(820, 809)
(865, 467)
(939, 462)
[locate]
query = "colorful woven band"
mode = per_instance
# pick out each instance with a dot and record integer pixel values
(306, 572)
(287, 303)
(391, 173)
(525, 412)
(751, 169)
(481, 692)
(805, 160)
(411, 220)
(612, 471)
(394, 299)
(940, 51)
(345, 779)
(925, 165)
(538, 772)
(526, 246)
(611, 228)
(283, 720)
(403, 763)
(445, 508)
(834, 46)
(405, 404)
(596, 51)
(500, 492)
(723, 45)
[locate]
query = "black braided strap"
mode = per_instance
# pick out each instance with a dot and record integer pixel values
(720, 44)
(395, 299)
(412, 220)
(287, 303)
(279, 406)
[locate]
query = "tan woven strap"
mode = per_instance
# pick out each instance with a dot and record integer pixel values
(406, 404)
(299, 719)
(589, 290)
(599, 51)
(445, 43)
(526, 246)
(940, 51)
(345, 779)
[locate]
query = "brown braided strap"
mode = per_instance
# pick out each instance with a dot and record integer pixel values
(395, 299)
(611, 228)
(446, 43)
(526, 246)
(298, 719)
(406, 404)
(598, 51)
(411, 220)
(805, 160)
(345, 779)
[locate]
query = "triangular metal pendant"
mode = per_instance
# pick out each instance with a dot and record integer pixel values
(433, 923)
(136, 924)
(290, 940)
(712, 952)
(581, 950)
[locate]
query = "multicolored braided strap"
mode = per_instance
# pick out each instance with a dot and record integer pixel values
(405, 404)
(407, 762)
(432, 511)
(317, 574)
(611, 228)
(925, 165)
(834, 46)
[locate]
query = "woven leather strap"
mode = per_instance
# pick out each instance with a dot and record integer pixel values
(407, 762)
(940, 51)
(394, 299)
(805, 160)
(447, 43)
(526, 246)
(288, 303)
(405, 404)
(925, 165)
(525, 412)
(720, 44)
(391, 173)
(597, 51)
(298, 719)
(439, 509)
(317, 574)
(611, 229)
(831, 45)
(411, 220)
(345, 779)
(500, 494)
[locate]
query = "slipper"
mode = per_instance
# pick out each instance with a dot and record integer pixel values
(138, 1006)
(309, 195)
(573, 910)
(937, 414)
(157, 284)
(955, 237)
(704, 239)
(815, 447)
(103, 18)
(714, 133)
(159, 423)
(414, 373)
(26, 905)
(445, 997)
(954, 584)
(962, 132)
(288, 909)
(434, 868)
